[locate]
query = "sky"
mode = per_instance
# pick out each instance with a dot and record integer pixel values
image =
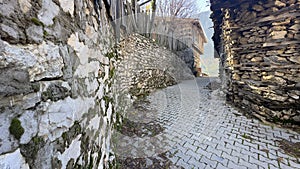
(203, 5)
(209, 64)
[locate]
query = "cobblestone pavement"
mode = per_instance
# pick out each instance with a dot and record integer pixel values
(202, 131)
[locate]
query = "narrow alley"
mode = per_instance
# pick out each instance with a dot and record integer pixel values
(200, 130)
(150, 84)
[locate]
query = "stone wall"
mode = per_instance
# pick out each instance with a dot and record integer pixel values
(187, 55)
(56, 106)
(139, 55)
(142, 67)
(258, 42)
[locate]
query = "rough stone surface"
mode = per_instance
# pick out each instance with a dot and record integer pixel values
(56, 77)
(259, 52)
(10, 31)
(13, 160)
(48, 12)
(7, 141)
(68, 6)
(7, 8)
(145, 66)
(14, 56)
(142, 67)
(25, 5)
(15, 81)
(35, 34)
(187, 56)
(73, 152)
(51, 56)
(30, 124)
(49, 63)
(61, 115)
(40, 61)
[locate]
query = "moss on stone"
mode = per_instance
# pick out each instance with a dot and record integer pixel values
(138, 92)
(64, 136)
(30, 150)
(111, 72)
(35, 87)
(133, 2)
(37, 140)
(37, 22)
(110, 55)
(113, 54)
(16, 128)
(118, 124)
(46, 95)
(107, 100)
(45, 33)
(99, 158)
(91, 162)
(72, 133)
(245, 136)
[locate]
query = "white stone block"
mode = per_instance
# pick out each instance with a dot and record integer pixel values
(13, 160)
(48, 12)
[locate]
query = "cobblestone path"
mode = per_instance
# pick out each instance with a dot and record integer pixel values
(202, 131)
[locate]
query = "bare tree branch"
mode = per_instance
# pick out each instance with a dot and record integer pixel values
(177, 8)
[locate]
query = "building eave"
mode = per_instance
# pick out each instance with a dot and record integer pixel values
(198, 50)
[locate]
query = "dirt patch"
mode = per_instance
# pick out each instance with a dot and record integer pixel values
(142, 104)
(290, 147)
(131, 128)
(213, 85)
(160, 161)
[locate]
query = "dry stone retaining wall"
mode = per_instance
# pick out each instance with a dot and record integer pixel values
(56, 106)
(259, 44)
(142, 67)
(145, 66)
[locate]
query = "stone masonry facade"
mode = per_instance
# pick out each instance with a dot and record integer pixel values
(56, 62)
(258, 45)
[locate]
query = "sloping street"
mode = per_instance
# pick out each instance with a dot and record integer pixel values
(202, 131)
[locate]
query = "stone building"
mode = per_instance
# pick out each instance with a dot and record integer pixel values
(179, 34)
(258, 43)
